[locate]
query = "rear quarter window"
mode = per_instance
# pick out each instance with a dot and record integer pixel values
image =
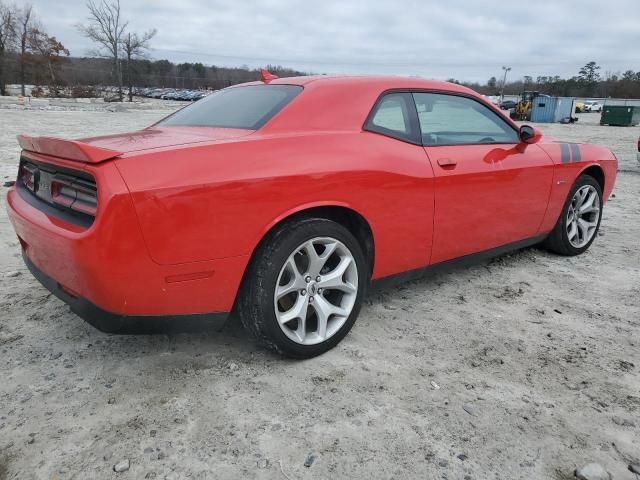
(247, 107)
(394, 115)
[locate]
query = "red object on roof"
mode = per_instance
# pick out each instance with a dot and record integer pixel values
(266, 76)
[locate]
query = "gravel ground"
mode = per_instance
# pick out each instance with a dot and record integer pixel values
(523, 367)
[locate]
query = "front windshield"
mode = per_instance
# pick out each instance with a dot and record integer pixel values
(247, 107)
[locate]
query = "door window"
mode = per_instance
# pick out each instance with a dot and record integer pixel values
(456, 120)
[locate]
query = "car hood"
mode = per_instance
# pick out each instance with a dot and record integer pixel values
(161, 136)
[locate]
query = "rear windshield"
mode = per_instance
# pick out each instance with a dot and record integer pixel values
(240, 107)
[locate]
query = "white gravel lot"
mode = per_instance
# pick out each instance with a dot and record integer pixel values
(541, 351)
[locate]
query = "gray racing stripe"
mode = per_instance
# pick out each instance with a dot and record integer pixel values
(564, 153)
(575, 152)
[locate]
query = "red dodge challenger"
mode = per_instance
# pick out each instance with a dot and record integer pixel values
(281, 200)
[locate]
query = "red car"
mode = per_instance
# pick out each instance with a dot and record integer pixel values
(283, 199)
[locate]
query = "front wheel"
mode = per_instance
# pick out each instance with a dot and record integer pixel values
(303, 290)
(579, 221)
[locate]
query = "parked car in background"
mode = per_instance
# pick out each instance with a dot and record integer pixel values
(508, 105)
(592, 106)
(281, 200)
(171, 93)
(180, 94)
(579, 107)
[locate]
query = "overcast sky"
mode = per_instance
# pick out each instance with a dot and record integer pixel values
(463, 39)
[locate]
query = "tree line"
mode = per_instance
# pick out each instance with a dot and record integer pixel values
(589, 82)
(86, 76)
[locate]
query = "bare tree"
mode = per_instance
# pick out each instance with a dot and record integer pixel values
(25, 23)
(7, 37)
(50, 52)
(135, 46)
(106, 28)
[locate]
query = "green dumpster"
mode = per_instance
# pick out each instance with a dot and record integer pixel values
(620, 115)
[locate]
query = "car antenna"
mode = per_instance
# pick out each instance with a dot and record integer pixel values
(266, 76)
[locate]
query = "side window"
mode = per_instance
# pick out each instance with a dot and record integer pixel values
(455, 120)
(394, 116)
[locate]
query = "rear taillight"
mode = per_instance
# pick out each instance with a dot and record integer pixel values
(28, 175)
(75, 194)
(63, 192)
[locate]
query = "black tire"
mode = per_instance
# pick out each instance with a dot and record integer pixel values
(255, 303)
(558, 240)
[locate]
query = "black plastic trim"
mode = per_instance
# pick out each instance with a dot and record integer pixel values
(454, 264)
(110, 322)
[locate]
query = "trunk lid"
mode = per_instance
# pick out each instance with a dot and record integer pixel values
(163, 136)
(100, 149)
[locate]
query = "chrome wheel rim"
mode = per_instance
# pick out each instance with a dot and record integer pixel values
(583, 216)
(316, 290)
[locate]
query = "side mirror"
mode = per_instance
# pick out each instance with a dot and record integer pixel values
(528, 134)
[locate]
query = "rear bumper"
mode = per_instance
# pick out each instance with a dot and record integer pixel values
(116, 323)
(107, 265)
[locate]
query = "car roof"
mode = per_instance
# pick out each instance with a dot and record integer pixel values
(383, 82)
(343, 102)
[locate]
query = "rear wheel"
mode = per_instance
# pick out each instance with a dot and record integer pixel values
(304, 288)
(579, 221)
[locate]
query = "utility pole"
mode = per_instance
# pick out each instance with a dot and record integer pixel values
(504, 82)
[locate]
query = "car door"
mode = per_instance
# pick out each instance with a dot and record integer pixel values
(403, 205)
(490, 190)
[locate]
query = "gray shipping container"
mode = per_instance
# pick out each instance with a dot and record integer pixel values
(551, 109)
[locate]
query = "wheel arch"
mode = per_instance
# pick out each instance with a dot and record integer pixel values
(339, 212)
(597, 172)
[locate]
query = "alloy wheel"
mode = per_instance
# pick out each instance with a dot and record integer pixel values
(583, 216)
(316, 290)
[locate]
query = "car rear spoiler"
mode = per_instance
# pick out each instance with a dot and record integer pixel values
(67, 149)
